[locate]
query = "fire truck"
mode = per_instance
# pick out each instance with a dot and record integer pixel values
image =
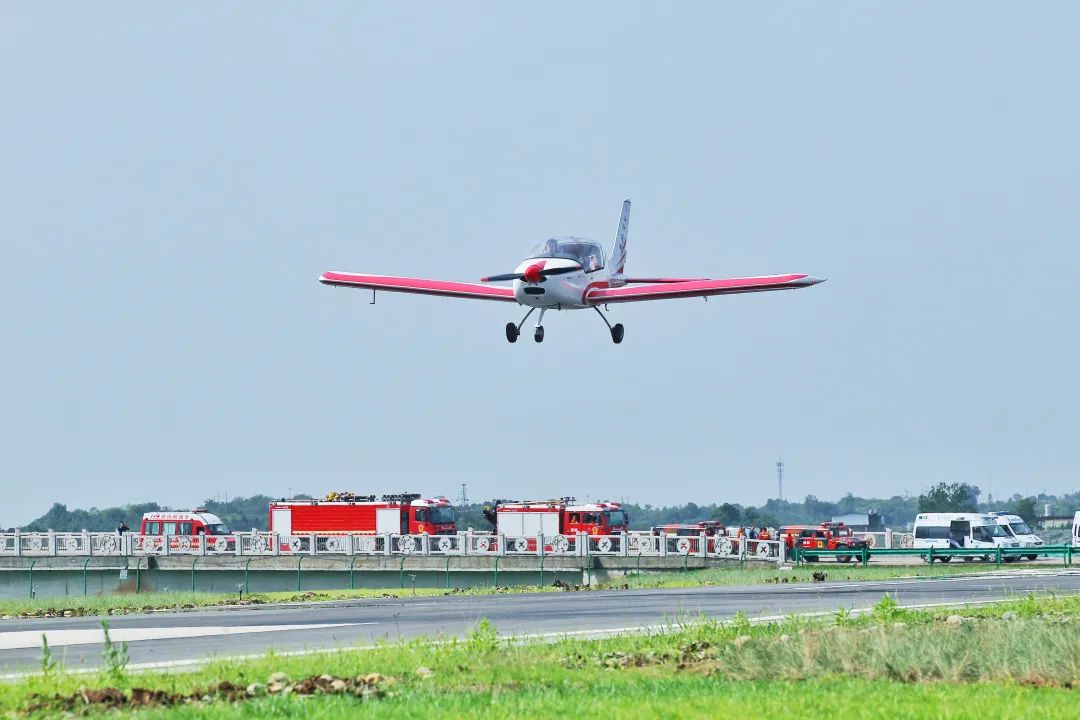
(529, 518)
(826, 536)
(343, 513)
(185, 529)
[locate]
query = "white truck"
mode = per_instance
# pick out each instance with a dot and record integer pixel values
(960, 530)
(1020, 531)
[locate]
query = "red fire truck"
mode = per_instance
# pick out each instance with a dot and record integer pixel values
(342, 513)
(529, 518)
(825, 536)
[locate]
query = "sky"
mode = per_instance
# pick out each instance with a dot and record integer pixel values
(176, 177)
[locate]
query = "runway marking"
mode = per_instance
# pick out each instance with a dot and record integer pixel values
(21, 639)
(195, 663)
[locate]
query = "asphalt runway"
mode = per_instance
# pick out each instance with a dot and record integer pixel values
(184, 638)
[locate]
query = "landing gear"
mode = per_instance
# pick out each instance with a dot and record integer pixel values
(512, 330)
(538, 336)
(616, 332)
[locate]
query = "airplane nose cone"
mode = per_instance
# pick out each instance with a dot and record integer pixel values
(532, 274)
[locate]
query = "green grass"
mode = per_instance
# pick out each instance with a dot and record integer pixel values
(676, 698)
(1017, 657)
(835, 572)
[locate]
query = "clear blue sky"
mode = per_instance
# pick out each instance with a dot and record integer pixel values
(176, 178)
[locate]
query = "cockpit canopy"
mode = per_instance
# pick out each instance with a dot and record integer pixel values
(588, 254)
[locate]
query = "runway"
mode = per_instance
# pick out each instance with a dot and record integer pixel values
(182, 638)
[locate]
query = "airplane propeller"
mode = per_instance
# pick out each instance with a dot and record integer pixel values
(532, 274)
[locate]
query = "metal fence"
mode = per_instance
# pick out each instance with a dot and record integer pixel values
(931, 555)
(263, 544)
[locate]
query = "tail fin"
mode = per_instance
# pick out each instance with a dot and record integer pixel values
(617, 263)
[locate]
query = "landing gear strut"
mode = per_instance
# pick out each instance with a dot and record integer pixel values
(538, 336)
(616, 332)
(512, 330)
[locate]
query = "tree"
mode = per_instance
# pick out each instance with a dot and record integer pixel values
(950, 497)
(728, 514)
(1027, 509)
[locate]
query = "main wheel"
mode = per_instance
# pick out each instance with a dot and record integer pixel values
(538, 336)
(511, 332)
(617, 333)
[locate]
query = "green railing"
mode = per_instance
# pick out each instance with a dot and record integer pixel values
(932, 555)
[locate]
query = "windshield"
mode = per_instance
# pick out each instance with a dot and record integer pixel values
(587, 254)
(987, 533)
(1020, 528)
(442, 515)
(218, 530)
(616, 518)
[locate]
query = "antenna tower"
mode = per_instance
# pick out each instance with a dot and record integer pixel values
(463, 498)
(780, 478)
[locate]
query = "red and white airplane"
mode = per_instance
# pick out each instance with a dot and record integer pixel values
(570, 273)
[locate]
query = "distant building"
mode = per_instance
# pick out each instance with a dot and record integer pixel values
(862, 522)
(1054, 521)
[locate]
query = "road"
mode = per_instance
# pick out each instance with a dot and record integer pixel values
(182, 638)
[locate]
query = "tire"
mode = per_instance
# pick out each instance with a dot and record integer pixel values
(843, 558)
(1032, 557)
(810, 558)
(511, 332)
(943, 559)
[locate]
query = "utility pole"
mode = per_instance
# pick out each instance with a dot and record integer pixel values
(463, 498)
(780, 478)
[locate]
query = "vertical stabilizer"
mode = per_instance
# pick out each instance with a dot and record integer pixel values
(618, 252)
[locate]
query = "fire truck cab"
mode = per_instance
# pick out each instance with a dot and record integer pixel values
(343, 513)
(529, 518)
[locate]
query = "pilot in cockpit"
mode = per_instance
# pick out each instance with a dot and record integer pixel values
(551, 247)
(592, 262)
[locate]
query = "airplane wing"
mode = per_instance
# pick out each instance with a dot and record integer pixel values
(698, 288)
(419, 285)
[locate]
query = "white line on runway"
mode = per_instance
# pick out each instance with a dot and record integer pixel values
(21, 639)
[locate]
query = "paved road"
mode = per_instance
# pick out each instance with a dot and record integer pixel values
(195, 636)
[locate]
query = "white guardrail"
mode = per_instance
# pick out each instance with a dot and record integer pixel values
(265, 544)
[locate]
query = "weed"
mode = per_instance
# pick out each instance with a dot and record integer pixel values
(114, 655)
(48, 662)
(484, 638)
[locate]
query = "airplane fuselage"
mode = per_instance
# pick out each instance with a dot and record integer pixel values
(563, 292)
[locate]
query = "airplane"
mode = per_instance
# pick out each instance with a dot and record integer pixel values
(571, 273)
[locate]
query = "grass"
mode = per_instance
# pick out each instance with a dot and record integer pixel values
(1020, 658)
(143, 602)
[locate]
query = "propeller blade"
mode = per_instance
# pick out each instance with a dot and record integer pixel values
(559, 271)
(500, 278)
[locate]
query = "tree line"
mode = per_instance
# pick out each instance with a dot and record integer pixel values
(252, 513)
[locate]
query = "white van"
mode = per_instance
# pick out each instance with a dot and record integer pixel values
(1019, 531)
(960, 530)
(1076, 530)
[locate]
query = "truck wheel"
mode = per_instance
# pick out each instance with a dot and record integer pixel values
(843, 558)
(810, 558)
(943, 559)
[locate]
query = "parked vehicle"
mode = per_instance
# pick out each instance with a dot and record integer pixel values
(825, 536)
(960, 530)
(1019, 531)
(564, 516)
(1076, 530)
(343, 513)
(185, 529)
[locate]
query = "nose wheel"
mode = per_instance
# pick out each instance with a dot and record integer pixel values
(538, 336)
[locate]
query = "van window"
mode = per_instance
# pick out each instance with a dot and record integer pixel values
(932, 532)
(983, 533)
(168, 528)
(153, 528)
(183, 528)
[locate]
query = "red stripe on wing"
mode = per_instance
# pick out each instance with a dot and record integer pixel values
(419, 286)
(700, 288)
